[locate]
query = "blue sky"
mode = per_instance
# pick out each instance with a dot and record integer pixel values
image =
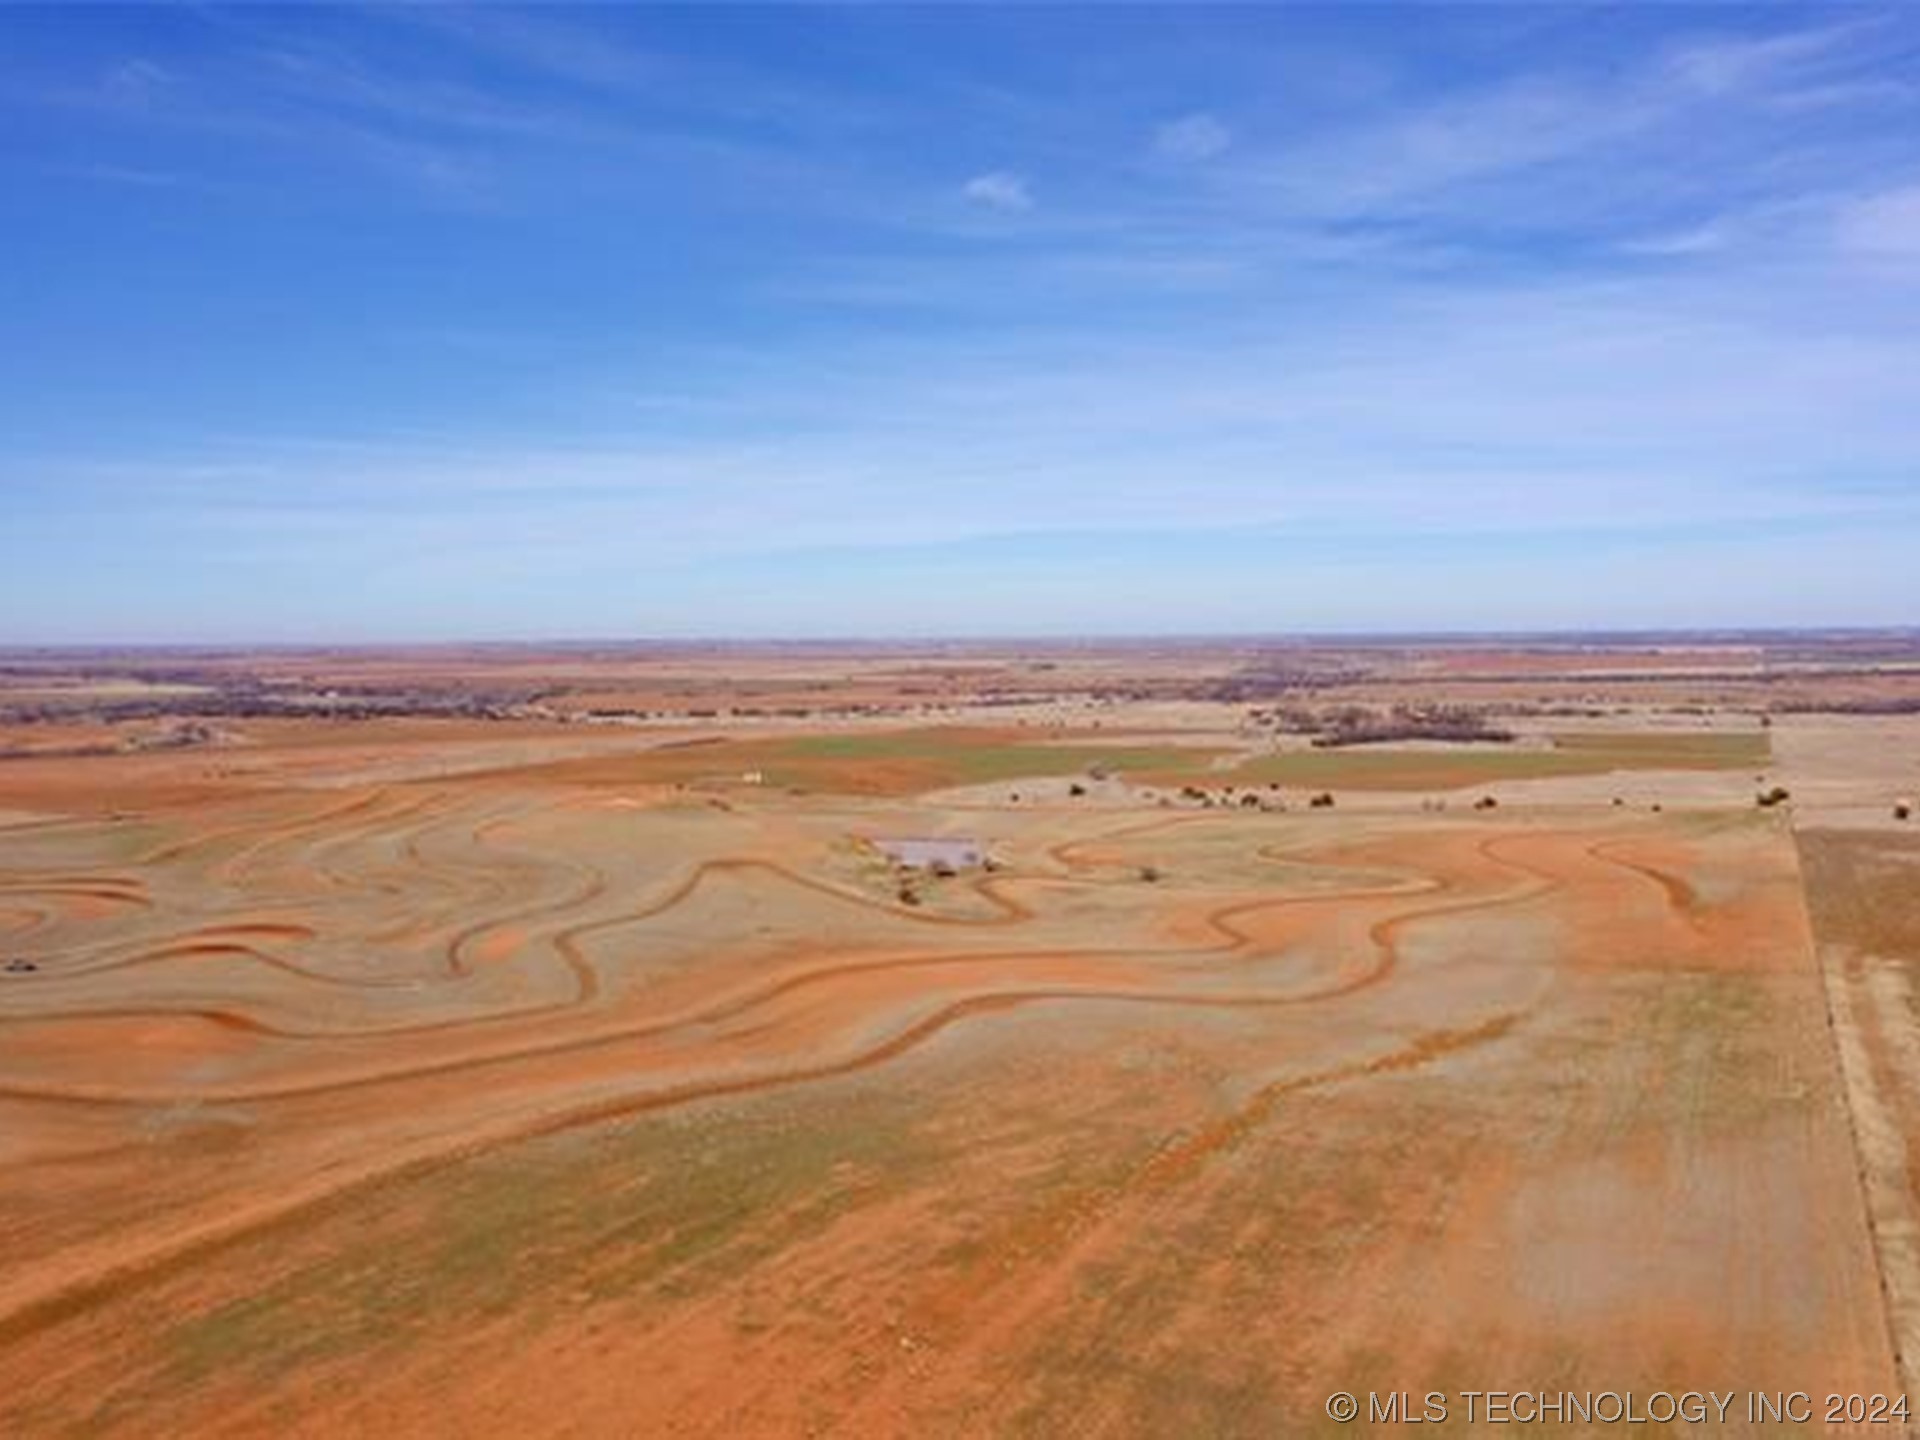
(422, 323)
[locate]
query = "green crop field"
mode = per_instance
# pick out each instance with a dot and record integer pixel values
(1370, 768)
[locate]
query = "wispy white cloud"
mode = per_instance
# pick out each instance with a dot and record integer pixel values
(340, 79)
(544, 40)
(555, 102)
(1192, 137)
(131, 175)
(1887, 224)
(999, 190)
(135, 81)
(1557, 407)
(1696, 240)
(1422, 313)
(1720, 118)
(1726, 65)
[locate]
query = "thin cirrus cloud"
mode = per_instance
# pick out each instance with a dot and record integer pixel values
(1886, 224)
(999, 190)
(1192, 137)
(582, 322)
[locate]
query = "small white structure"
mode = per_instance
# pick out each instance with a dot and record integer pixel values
(927, 852)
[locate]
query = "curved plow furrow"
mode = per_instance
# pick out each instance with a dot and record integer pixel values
(1381, 936)
(884, 1008)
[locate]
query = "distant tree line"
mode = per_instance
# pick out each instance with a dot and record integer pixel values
(1363, 725)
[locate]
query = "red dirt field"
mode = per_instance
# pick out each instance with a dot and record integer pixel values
(588, 1093)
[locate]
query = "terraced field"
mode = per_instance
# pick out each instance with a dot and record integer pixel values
(581, 1091)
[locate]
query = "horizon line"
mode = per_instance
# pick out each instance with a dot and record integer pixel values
(1551, 634)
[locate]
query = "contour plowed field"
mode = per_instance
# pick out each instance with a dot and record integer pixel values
(456, 1108)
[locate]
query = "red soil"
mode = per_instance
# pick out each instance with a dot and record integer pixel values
(479, 1105)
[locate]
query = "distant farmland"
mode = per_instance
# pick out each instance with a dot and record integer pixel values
(1444, 769)
(895, 762)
